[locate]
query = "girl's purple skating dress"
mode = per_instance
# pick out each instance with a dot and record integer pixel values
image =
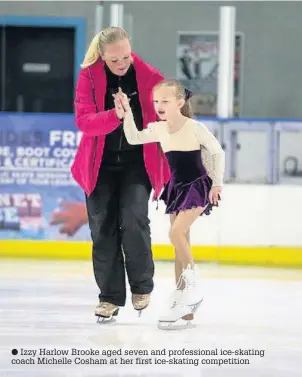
(189, 185)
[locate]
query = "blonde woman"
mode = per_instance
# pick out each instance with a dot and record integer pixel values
(117, 177)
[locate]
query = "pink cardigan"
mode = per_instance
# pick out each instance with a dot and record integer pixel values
(95, 124)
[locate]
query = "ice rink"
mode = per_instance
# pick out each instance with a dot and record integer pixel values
(49, 304)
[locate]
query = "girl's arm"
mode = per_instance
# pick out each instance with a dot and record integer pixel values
(136, 137)
(209, 141)
(132, 134)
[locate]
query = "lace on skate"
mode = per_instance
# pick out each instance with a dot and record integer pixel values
(190, 283)
(188, 278)
(177, 299)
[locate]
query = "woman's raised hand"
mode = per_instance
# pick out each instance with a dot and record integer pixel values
(120, 112)
(122, 99)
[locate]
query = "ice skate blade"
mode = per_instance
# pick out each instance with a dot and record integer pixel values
(105, 320)
(169, 326)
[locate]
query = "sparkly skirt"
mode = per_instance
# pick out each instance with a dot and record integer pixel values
(184, 196)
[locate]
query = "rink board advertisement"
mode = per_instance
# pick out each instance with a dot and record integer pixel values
(38, 195)
(197, 68)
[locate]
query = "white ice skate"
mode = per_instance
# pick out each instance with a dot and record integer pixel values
(184, 302)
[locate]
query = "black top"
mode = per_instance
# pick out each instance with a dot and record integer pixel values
(117, 150)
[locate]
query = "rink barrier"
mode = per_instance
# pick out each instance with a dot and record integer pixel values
(269, 256)
(227, 130)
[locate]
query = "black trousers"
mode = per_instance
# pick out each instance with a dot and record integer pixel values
(120, 231)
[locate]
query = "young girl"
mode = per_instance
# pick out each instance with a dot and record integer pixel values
(194, 187)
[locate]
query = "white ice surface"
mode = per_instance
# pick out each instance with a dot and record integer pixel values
(50, 305)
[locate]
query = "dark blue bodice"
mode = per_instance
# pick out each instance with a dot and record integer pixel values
(185, 166)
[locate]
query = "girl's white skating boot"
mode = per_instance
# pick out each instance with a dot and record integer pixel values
(184, 303)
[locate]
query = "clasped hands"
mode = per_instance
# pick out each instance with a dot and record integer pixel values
(121, 103)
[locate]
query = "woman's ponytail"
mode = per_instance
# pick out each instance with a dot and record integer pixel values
(93, 53)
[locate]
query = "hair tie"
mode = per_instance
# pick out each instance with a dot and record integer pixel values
(188, 94)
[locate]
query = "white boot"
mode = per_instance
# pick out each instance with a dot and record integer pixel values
(184, 301)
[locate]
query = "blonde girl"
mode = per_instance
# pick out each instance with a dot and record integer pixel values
(194, 187)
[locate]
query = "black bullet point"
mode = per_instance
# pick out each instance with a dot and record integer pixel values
(15, 352)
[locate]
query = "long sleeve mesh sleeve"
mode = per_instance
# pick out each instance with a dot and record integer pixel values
(136, 137)
(212, 145)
